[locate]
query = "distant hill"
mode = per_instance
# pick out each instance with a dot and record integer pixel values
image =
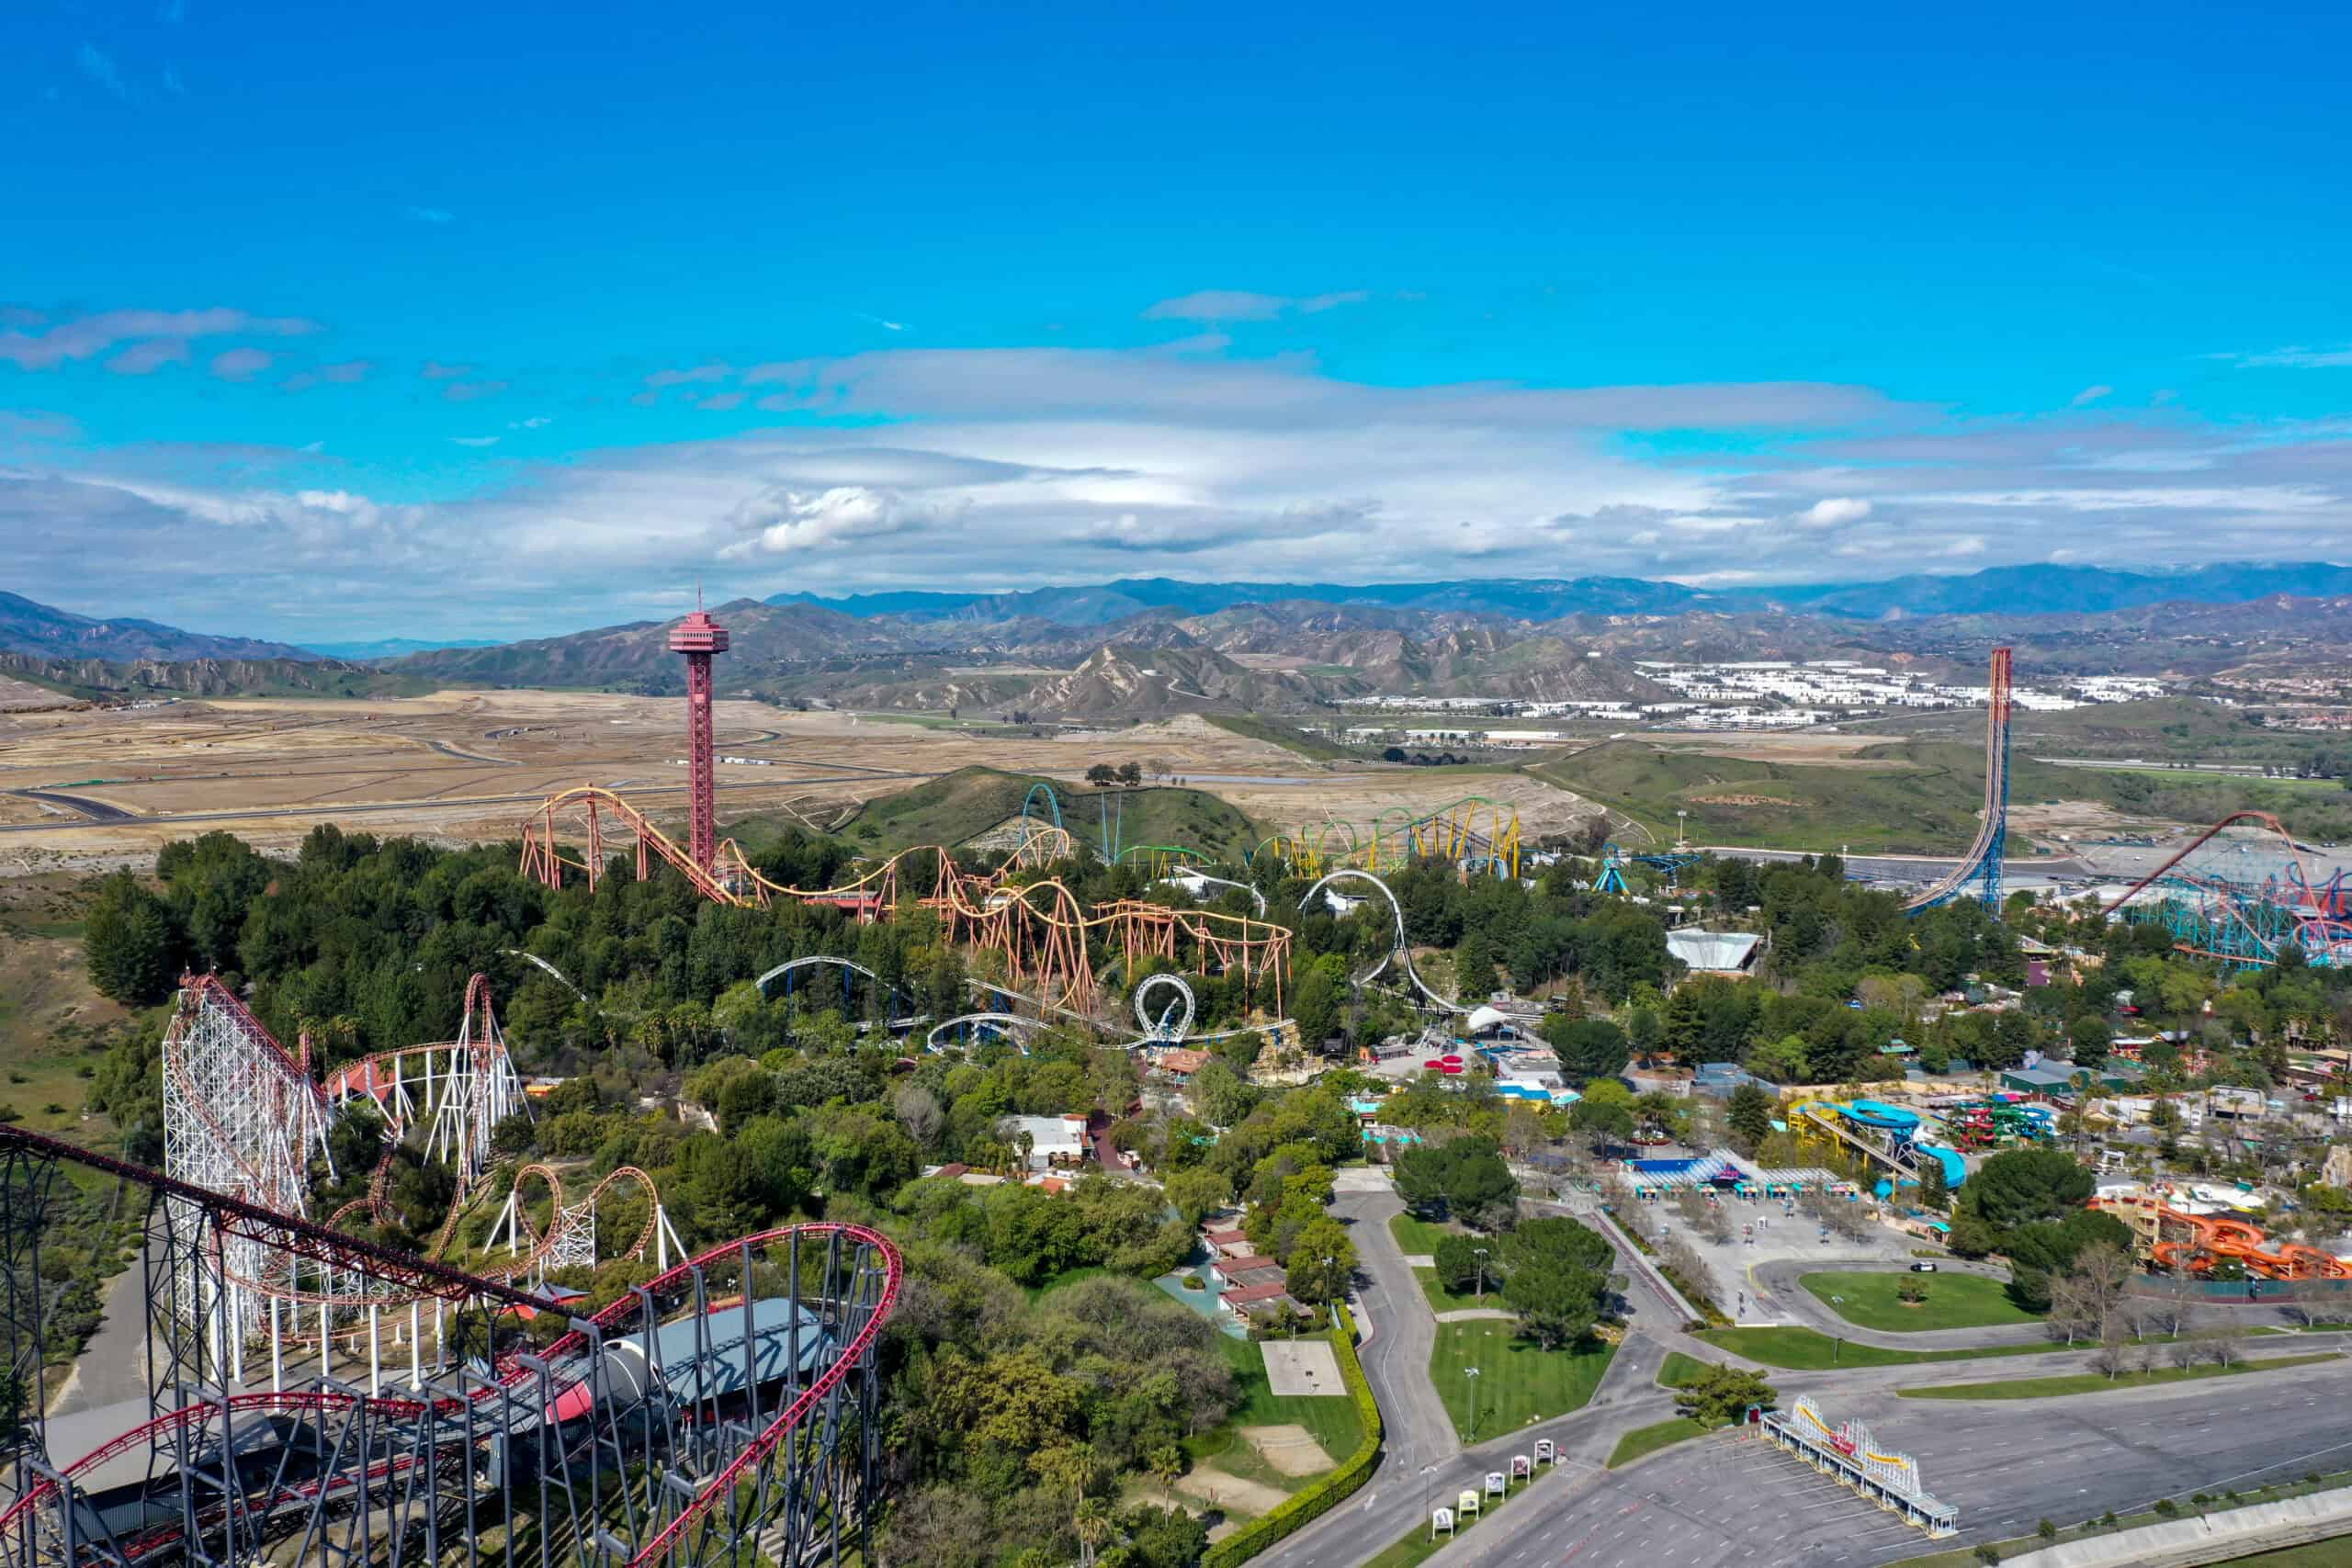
(392, 647)
(102, 679)
(2008, 590)
(26, 626)
(636, 656)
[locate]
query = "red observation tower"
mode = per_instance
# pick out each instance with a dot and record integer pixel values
(699, 638)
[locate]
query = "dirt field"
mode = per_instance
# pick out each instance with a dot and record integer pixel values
(463, 766)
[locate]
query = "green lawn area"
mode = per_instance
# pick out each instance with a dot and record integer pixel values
(1954, 1301)
(1331, 1420)
(1804, 1350)
(1419, 1238)
(1679, 1368)
(2100, 1382)
(1644, 1441)
(1517, 1384)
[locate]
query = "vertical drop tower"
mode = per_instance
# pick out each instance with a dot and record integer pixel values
(699, 637)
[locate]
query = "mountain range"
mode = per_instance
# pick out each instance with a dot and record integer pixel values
(1144, 647)
(2009, 589)
(30, 628)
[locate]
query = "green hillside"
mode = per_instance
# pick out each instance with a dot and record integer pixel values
(946, 810)
(967, 802)
(1914, 796)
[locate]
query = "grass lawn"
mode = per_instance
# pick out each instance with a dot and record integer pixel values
(1331, 1420)
(2100, 1382)
(1954, 1301)
(1517, 1384)
(1644, 1441)
(1679, 1368)
(1417, 1238)
(1804, 1350)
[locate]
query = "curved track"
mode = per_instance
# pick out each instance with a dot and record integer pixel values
(1401, 952)
(669, 1479)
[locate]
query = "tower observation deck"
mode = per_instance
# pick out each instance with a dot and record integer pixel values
(699, 637)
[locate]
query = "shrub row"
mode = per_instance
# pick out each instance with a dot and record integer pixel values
(1334, 1489)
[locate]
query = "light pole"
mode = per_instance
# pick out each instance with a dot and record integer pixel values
(1473, 1373)
(1682, 829)
(1482, 1271)
(1426, 1471)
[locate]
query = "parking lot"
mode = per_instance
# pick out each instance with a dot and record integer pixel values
(1767, 1232)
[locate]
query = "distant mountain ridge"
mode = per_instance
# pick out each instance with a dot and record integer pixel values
(2002, 590)
(393, 647)
(26, 626)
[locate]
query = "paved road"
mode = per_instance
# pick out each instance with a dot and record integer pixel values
(95, 810)
(336, 809)
(1920, 869)
(1423, 1457)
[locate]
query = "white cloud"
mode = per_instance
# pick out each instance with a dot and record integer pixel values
(700, 373)
(537, 422)
(886, 326)
(342, 374)
(1835, 511)
(1241, 305)
(1007, 468)
(475, 440)
(2292, 358)
(240, 364)
(2090, 395)
(146, 357)
(86, 337)
(98, 66)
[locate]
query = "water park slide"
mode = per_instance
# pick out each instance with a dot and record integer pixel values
(1896, 1125)
(2212, 1239)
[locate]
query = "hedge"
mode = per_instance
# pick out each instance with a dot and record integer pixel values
(1306, 1507)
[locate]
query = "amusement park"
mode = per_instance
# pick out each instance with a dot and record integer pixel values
(509, 1257)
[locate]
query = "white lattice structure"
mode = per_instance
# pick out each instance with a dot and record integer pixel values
(241, 1117)
(457, 1092)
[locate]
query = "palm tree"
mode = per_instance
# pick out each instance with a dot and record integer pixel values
(1091, 1524)
(1166, 1463)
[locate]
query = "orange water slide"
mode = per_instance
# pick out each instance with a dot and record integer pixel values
(2212, 1239)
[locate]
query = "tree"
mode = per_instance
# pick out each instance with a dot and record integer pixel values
(1459, 1267)
(1558, 1302)
(1130, 774)
(2021, 1186)
(1322, 1262)
(1933, 1192)
(132, 942)
(1473, 966)
(1197, 1192)
(1588, 1048)
(1464, 1177)
(1749, 1113)
(1719, 1394)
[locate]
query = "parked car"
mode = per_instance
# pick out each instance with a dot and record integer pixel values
(1923, 1266)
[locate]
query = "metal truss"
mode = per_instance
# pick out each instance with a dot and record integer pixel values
(722, 1413)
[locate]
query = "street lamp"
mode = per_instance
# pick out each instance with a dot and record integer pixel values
(1682, 829)
(1471, 1372)
(1482, 1271)
(1426, 1471)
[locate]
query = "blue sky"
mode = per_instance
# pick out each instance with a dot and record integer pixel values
(429, 321)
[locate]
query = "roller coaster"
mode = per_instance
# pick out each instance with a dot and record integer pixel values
(2243, 893)
(1982, 863)
(723, 1412)
(1473, 834)
(1401, 951)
